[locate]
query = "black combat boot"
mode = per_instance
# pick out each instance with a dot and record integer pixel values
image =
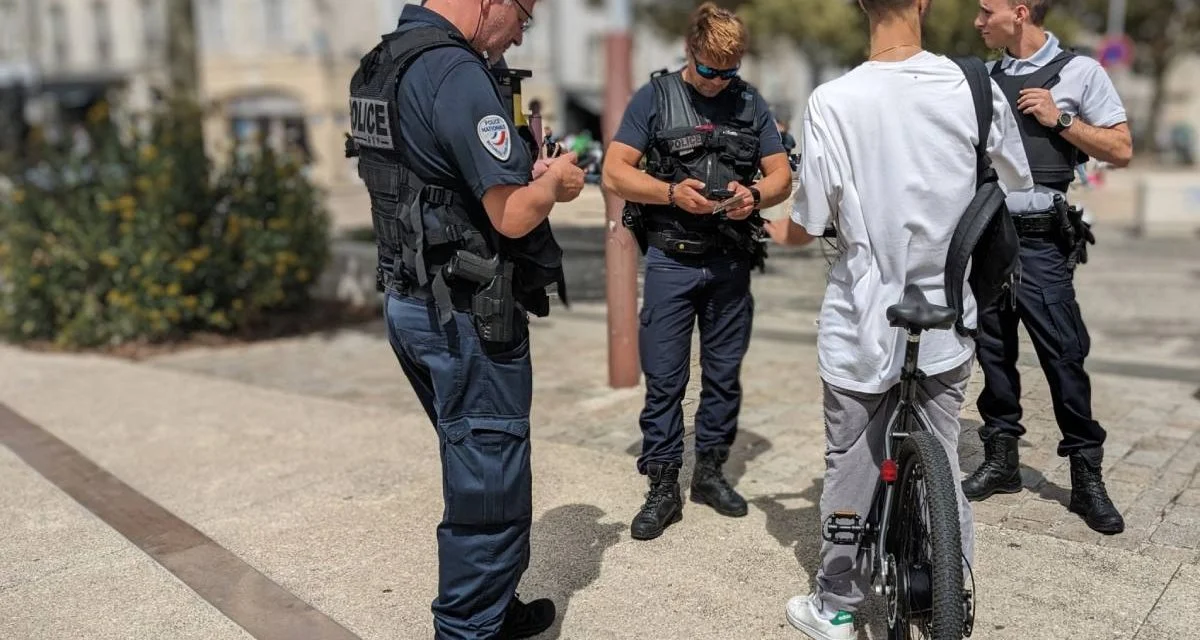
(1089, 498)
(664, 505)
(1000, 471)
(710, 487)
(526, 620)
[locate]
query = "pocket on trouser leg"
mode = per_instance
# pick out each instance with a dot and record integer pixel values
(1067, 319)
(487, 472)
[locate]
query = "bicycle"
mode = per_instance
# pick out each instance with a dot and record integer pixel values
(918, 568)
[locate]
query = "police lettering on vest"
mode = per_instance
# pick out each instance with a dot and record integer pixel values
(436, 239)
(686, 145)
(369, 123)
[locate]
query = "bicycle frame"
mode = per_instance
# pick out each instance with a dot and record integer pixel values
(904, 420)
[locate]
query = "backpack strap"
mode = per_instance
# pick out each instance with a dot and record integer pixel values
(981, 92)
(989, 198)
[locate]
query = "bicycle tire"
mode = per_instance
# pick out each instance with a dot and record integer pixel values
(922, 459)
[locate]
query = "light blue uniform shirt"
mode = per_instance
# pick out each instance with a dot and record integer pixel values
(1084, 90)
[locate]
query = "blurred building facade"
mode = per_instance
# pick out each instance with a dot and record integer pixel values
(279, 69)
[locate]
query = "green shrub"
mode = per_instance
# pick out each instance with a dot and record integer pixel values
(142, 239)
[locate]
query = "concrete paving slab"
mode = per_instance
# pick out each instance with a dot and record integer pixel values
(1177, 614)
(355, 539)
(44, 532)
(118, 596)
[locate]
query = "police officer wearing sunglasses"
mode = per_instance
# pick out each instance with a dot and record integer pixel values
(459, 206)
(706, 135)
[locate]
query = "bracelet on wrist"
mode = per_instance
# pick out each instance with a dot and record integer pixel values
(671, 194)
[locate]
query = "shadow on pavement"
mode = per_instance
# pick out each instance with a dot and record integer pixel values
(568, 545)
(796, 527)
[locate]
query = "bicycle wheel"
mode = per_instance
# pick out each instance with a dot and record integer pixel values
(924, 546)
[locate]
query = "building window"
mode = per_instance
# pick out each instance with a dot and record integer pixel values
(58, 34)
(152, 27)
(103, 31)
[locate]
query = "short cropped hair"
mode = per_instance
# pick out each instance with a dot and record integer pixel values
(1037, 9)
(878, 9)
(717, 34)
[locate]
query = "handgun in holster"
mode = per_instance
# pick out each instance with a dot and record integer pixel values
(632, 219)
(749, 238)
(492, 305)
(1066, 231)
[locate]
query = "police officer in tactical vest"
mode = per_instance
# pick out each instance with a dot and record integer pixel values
(460, 208)
(1067, 109)
(705, 135)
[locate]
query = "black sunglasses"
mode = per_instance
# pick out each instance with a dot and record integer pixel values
(710, 73)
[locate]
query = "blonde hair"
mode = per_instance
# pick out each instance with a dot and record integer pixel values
(717, 34)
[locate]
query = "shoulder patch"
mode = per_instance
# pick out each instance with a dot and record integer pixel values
(494, 134)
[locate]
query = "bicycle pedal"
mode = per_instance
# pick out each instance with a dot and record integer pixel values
(843, 528)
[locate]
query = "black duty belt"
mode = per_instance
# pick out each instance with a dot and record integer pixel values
(1035, 224)
(460, 298)
(689, 243)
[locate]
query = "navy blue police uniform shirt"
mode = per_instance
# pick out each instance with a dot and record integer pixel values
(453, 125)
(639, 120)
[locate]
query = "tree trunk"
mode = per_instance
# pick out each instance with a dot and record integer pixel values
(182, 61)
(1160, 65)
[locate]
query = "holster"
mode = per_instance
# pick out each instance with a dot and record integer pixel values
(1067, 232)
(492, 304)
(633, 219)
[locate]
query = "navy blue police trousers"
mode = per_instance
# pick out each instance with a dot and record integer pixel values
(679, 293)
(478, 397)
(1045, 304)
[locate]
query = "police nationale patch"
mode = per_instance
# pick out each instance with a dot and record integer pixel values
(495, 136)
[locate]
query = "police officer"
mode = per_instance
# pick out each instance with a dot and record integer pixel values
(459, 207)
(705, 134)
(1066, 108)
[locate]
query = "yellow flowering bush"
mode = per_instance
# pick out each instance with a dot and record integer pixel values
(143, 239)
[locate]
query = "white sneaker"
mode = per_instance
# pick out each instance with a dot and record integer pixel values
(803, 612)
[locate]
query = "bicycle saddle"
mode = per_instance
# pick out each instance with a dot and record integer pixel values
(915, 313)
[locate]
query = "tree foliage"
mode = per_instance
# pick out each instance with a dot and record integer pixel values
(1162, 32)
(835, 31)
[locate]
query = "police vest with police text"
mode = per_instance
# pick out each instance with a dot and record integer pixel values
(418, 225)
(1052, 159)
(685, 144)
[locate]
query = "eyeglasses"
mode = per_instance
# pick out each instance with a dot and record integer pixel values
(528, 21)
(710, 73)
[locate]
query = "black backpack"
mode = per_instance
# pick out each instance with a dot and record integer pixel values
(986, 237)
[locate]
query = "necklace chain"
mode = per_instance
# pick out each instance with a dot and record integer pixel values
(879, 53)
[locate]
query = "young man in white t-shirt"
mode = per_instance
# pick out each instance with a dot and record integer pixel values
(889, 159)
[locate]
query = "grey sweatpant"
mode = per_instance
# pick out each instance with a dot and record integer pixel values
(854, 435)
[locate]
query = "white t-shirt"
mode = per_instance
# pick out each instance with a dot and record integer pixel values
(889, 154)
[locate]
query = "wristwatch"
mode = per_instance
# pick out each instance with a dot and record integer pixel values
(755, 194)
(1065, 120)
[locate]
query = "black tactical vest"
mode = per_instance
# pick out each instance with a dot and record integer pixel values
(1051, 158)
(685, 144)
(420, 226)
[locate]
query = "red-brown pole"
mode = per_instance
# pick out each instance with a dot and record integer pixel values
(620, 248)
